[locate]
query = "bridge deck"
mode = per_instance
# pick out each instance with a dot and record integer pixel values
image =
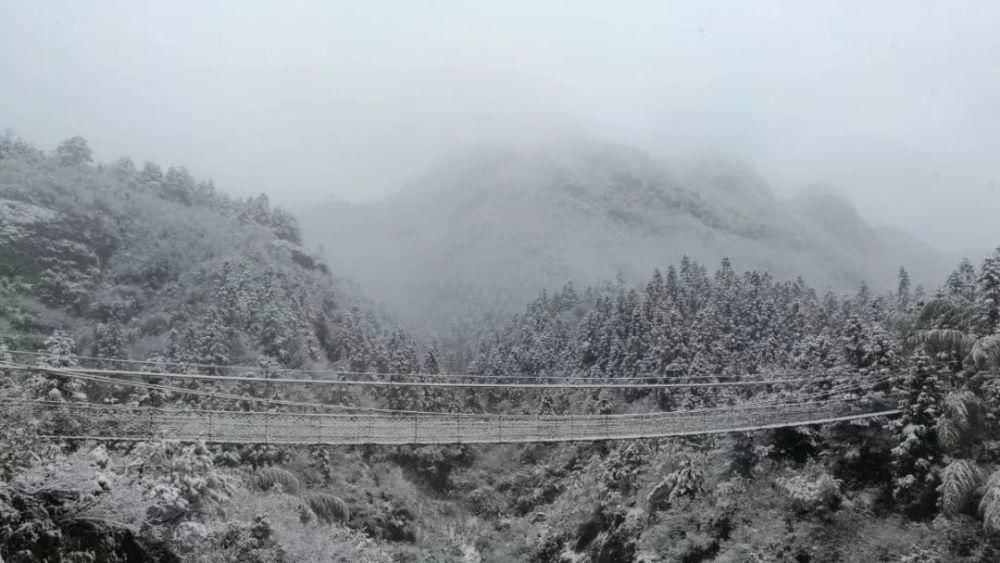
(88, 421)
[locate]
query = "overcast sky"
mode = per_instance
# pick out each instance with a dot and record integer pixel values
(896, 104)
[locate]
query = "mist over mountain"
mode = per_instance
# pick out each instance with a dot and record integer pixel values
(488, 228)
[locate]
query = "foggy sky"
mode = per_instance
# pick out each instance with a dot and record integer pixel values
(895, 104)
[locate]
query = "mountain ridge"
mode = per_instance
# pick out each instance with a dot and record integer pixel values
(522, 221)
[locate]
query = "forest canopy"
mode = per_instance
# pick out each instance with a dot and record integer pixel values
(102, 262)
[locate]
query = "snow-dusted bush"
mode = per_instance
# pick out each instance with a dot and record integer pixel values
(811, 494)
(18, 442)
(268, 529)
(184, 483)
(916, 458)
(275, 478)
(686, 481)
(922, 556)
(254, 455)
(250, 543)
(486, 501)
(960, 481)
(328, 508)
(189, 533)
(989, 505)
(58, 354)
(961, 423)
(727, 493)
(621, 468)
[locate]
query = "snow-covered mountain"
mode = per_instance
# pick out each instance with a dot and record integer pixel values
(493, 227)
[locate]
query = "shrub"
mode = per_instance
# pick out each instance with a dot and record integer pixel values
(18, 443)
(812, 495)
(328, 508)
(433, 464)
(281, 537)
(727, 494)
(385, 516)
(271, 478)
(255, 455)
(686, 481)
(187, 483)
(52, 523)
(250, 543)
(154, 325)
(190, 533)
(921, 556)
(622, 467)
(962, 422)
(486, 501)
(960, 480)
(989, 506)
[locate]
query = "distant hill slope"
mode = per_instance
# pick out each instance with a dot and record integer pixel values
(151, 263)
(490, 228)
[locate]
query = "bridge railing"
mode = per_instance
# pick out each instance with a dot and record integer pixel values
(115, 422)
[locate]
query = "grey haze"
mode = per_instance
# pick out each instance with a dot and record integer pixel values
(894, 104)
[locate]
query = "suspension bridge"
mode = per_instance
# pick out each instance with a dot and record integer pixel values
(820, 399)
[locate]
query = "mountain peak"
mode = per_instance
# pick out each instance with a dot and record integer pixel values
(519, 220)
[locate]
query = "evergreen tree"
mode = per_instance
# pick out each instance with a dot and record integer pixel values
(987, 298)
(863, 296)
(277, 338)
(58, 354)
(430, 363)
(916, 460)
(151, 174)
(13, 148)
(285, 225)
(903, 289)
(5, 358)
(178, 185)
(853, 338)
(400, 360)
(961, 284)
(74, 152)
(256, 210)
(110, 340)
(655, 287)
(124, 168)
(671, 284)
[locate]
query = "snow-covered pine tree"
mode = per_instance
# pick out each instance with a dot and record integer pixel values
(74, 152)
(110, 340)
(961, 283)
(178, 185)
(58, 354)
(987, 298)
(903, 295)
(916, 459)
(151, 175)
(124, 169)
